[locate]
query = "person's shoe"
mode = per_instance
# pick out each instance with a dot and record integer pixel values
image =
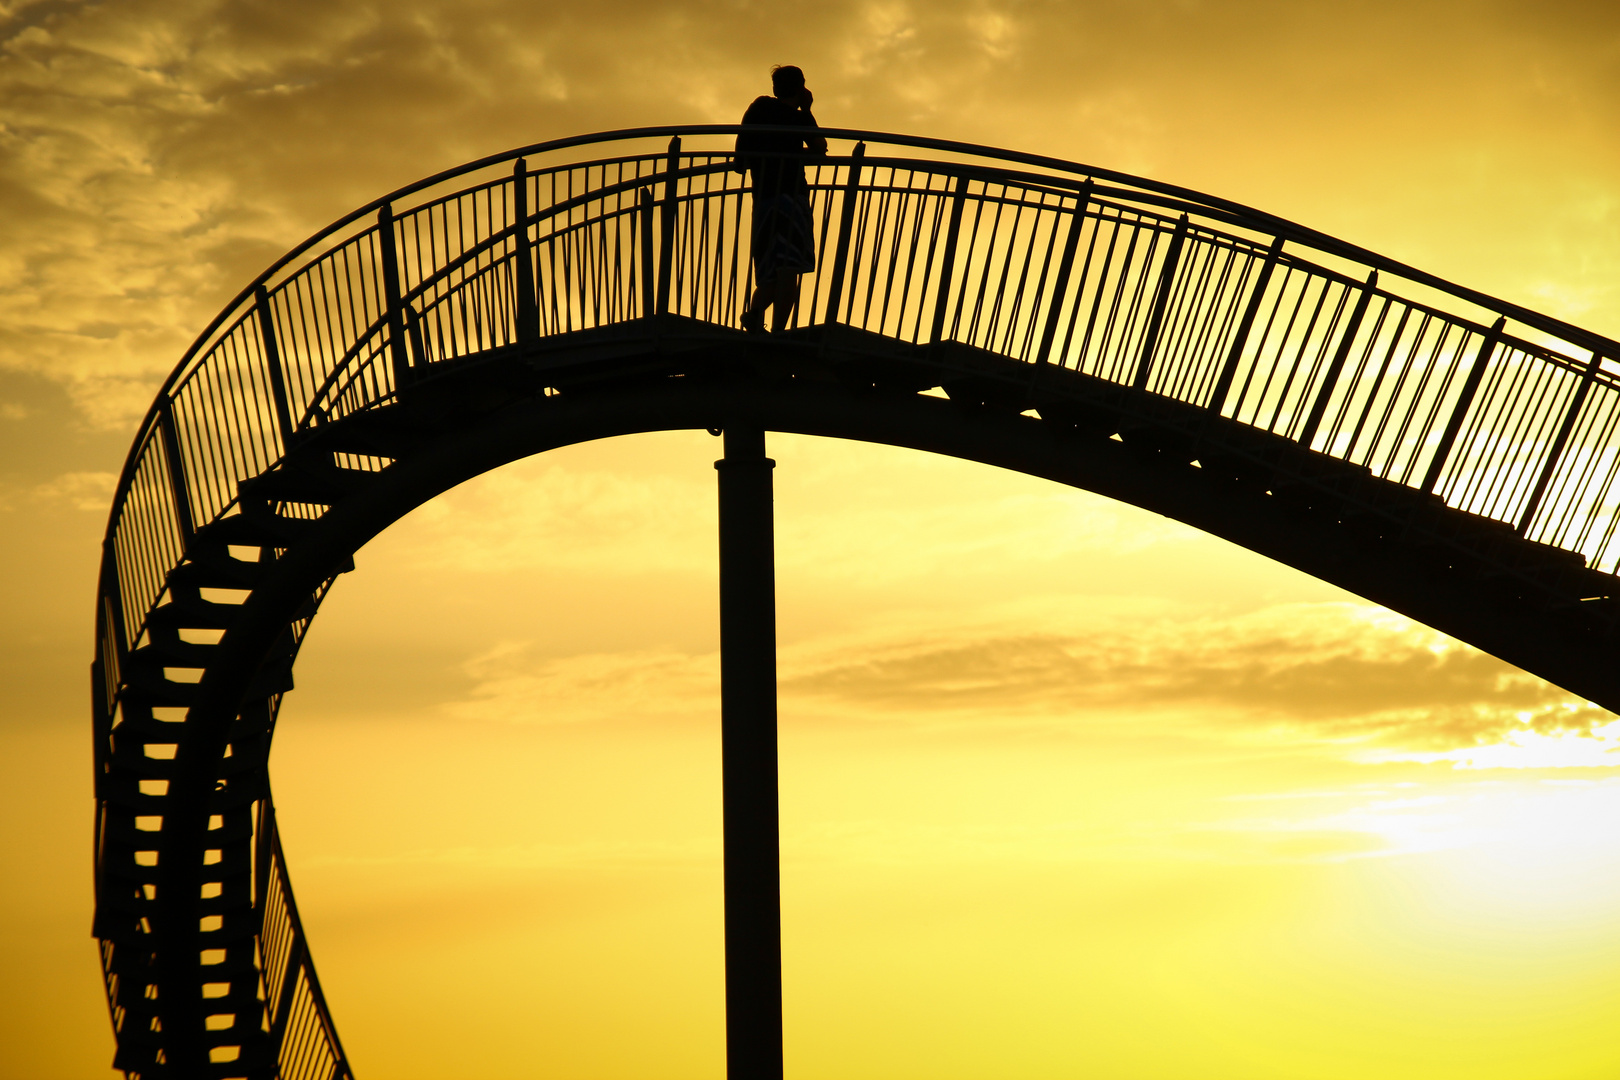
(754, 322)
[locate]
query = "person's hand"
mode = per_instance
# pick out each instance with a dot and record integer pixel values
(806, 99)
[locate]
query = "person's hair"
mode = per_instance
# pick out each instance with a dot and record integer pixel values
(786, 80)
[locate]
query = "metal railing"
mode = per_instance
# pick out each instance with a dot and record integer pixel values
(1498, 410)
(1247, 316)
(302, 1039)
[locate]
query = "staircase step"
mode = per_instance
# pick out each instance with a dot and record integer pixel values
(253, 530)
(210, 569)
(193, 613)
(159, 690)
(322, 485)
(170, 651)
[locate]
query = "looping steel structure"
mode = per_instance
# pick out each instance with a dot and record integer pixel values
(1432, 449)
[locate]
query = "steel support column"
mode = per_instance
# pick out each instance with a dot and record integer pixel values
(748, 758)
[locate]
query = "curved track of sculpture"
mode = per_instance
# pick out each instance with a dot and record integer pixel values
(1447, 455)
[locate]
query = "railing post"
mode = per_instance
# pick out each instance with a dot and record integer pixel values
(112, 609)
(396, 322)
(528, 316)
(1071, 243)
(649, 272)
(1336, 366)
(1465, 398)
(846, 222)
(272, 363)
(1557, 450)
(1161, 299)
(261, 858)
(1240, 338)
(942, 296)
(413, 334)
(177, 473)
(666, 226)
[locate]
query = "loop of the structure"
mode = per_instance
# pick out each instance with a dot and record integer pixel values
(1450, 456)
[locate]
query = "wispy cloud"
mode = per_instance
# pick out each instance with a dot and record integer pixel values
(1348, 678)
(1336, 672)
(87, 491)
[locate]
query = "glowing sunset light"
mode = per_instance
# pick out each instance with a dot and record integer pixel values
(1067, 788)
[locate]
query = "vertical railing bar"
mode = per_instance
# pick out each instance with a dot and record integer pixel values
(1000, 311)
(649, 279)
(272, 363)
(1293, 369)
(1082, 212)
(1188, 316)
(1525, 418)
(1009, 321)
(867, 239)
(1312, 368)
(1330, 380)
(1378, 380)
(1111, 281)
(1225, 308)
(936, 221)
(915, 229)
(1353, 381)
(988, 267)
(846, 218)
(1465, 398)
(1559, 442)
(1260, 351)
(666, 223)
(1121, 312)
(897, 236)
(1229, 291)
(177, 472)
(528, 318)
(1581, 483)
(948, 260)
(1392, 454)
(967, 263)
(390, 269)
(1604, 438)
(1184, 315)
(1412, 426)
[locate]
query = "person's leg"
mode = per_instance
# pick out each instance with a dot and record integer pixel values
(754, 317)
(785, 295)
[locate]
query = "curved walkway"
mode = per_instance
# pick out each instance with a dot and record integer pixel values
(1430, 448)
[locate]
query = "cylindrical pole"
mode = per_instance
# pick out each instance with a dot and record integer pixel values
(748, 759)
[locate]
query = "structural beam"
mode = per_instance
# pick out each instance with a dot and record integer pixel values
(748, 758)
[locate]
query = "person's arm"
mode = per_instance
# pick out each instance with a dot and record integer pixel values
(813, 143)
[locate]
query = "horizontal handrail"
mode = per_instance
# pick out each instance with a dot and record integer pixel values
(1139, 186)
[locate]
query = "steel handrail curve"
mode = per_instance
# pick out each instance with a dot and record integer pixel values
(598, 195)
(1137, 186)
(489, 243)
(180, 377)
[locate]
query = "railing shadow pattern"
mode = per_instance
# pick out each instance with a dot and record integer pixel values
(1499, 411)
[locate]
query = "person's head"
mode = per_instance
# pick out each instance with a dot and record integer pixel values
(786, 80)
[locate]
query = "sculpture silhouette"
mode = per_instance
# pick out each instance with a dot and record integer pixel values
(1449, 455)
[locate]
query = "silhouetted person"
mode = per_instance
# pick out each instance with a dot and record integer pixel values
(784, 237)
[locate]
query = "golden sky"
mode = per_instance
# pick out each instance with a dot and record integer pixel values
(1068, 789)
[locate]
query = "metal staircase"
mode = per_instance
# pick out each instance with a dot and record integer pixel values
(1446, 454)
